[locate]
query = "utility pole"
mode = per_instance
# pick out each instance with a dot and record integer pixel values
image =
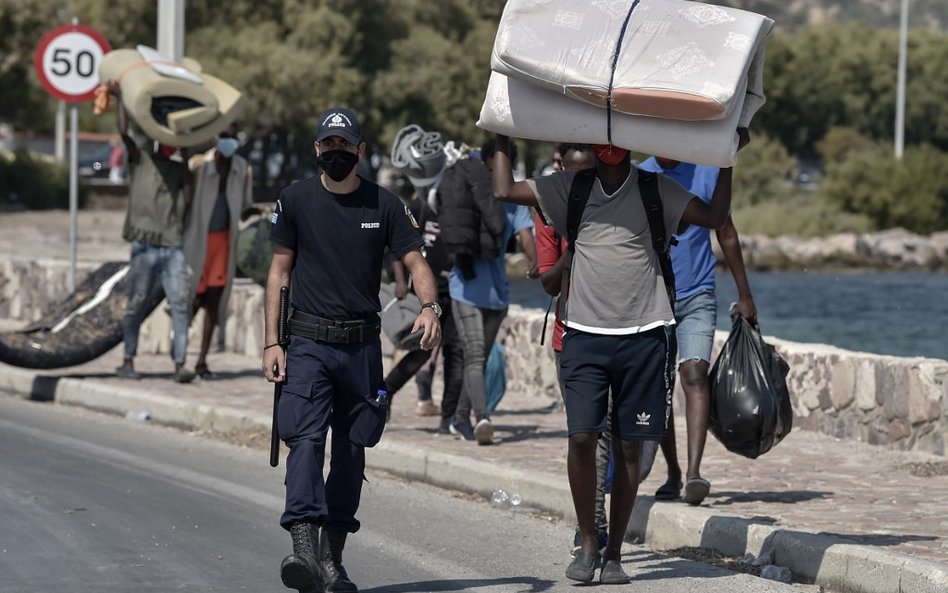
(900, 90)
(171, 28)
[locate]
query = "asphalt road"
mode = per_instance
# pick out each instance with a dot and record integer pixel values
(96, 504)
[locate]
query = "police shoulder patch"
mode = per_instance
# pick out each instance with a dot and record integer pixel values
(411, 217)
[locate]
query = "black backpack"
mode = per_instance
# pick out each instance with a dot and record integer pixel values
(472, 220)
(652, 201)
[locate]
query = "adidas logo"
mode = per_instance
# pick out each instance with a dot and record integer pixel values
(643, 418)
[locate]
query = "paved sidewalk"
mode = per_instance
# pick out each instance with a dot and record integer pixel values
(844, 514)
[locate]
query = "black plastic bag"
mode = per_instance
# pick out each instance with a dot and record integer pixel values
(750, 403)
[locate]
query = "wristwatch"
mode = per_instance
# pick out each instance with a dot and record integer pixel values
(434, 306)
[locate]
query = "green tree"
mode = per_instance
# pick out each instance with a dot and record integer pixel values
(22, 101)
(836, 75)
(765, 171)
(910, 193)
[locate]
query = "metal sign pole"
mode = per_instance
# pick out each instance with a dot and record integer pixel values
(60, 149)
(73, 194)
(66, 60)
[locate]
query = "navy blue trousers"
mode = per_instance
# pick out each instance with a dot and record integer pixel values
(323, 383)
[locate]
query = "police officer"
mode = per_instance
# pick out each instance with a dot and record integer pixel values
(329, 234)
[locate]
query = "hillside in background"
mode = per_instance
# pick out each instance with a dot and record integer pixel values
(792, 14)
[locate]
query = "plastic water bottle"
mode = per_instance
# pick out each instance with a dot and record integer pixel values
(381, 397)
(500, 499)
(516, 500)
(137, 416)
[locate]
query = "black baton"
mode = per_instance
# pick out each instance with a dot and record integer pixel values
(282, 340)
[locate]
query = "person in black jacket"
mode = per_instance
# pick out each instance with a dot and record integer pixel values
(422, 158)
(472, 221)
(478, 284)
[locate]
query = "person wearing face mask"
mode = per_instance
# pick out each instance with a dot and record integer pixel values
(159, 201)
(329, 236)
(223, 184)
(619, 318)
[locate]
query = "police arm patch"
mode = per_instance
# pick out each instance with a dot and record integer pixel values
(411, 218)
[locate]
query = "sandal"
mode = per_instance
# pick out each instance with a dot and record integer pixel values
(668, 491)
(583, 567)
(203, 372)
(696, 489)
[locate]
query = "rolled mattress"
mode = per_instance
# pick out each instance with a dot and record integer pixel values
(678, 59)
(516, 108)
(82, 327)
(177, 105)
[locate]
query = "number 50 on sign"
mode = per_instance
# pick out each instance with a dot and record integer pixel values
(67, 62)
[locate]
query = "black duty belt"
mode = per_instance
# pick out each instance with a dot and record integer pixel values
(333, 331)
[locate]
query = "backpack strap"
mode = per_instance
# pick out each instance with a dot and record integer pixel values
(579, 192)
(652, 201)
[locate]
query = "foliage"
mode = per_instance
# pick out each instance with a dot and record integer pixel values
(798, 214)
(35, 182)
(765, 171)
(844, 75)
(830, 88)
(911, 193)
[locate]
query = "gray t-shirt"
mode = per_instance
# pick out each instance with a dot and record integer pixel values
(616, 285)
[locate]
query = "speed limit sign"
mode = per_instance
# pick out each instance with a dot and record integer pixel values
(67, 62)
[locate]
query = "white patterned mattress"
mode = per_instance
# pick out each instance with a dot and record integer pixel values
(678, 62)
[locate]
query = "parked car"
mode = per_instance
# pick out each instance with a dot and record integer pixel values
(96, 163)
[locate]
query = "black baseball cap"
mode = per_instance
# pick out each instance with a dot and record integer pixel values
(341, 122)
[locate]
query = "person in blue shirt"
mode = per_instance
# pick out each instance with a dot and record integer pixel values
(693, 263)
(479, 306)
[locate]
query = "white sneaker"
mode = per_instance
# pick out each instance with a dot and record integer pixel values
(484, 432)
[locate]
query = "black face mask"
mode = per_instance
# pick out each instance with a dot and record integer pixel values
(337, 163)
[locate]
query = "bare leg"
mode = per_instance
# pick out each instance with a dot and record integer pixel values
(581, 468)
(670, 453)
(694, 382)
(210, 302)
(625, 485)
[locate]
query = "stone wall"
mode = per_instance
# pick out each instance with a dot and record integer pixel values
(883, 400)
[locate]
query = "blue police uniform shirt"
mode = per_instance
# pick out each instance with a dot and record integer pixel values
(692, 259)
(339, 241)
(489, 289)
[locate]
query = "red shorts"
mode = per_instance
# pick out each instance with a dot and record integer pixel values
(215, 261)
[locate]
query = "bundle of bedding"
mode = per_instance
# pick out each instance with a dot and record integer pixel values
(175, 104)
(668, 77)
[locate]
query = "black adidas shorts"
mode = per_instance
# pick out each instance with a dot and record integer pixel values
(639, 370)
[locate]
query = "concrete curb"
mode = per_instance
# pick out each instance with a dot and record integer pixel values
(825, 560)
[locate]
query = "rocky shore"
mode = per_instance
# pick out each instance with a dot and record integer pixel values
(893, 249)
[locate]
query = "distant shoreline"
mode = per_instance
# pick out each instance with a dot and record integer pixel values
(100, 239)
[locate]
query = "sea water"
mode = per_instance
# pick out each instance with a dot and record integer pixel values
(898, 313)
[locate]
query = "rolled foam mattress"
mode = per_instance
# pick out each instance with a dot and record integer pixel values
(677, 59)
(175, 104)
(82, 327)
(516, 108)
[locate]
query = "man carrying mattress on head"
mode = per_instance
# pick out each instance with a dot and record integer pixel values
(159, 201)
(618, 319)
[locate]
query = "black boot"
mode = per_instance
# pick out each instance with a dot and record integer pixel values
(335, 579)
(300, 570)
